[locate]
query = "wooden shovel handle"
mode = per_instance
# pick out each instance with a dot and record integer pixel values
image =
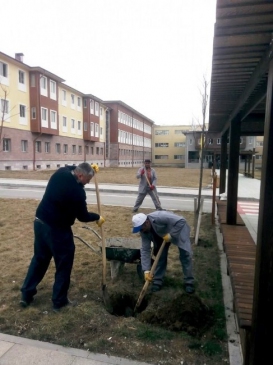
(147, 283)
(103, 249)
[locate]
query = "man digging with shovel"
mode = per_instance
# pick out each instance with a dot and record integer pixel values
(156, 227)
(147, 185)
(64, 201)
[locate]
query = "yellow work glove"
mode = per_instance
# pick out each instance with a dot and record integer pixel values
(100, 221)
(95, 167)
(167, 237)
(148, 276)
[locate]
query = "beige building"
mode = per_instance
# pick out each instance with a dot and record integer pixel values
(168, 147)
(46, 124)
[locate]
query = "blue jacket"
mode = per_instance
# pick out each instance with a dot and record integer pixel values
(64, 200)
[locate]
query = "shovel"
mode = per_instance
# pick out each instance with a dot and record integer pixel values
(147, 283)
(155, 195)
(106, 299)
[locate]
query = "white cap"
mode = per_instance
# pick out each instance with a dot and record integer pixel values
(138, 221)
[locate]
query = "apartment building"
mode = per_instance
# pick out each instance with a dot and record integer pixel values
(130, 135)
(48, 124)
(212, 149)
(169, 145)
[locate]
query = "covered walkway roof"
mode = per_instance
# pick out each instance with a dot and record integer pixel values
(242, 50)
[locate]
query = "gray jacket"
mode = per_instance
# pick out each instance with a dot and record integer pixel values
(164, 222)
(143, 182)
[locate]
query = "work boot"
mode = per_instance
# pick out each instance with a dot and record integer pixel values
(189, 288)
(70, 303)
(155, 288)
(25, 302)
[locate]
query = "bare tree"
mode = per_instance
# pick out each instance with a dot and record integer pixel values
(204, 95)
(3, 101)
(198, 212)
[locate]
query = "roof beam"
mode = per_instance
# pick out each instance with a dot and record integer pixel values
(261, 69)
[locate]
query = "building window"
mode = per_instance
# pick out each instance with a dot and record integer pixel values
(72, 100)
(161, 157)
(6, 144)
(84, 103)
(43, 83)
(178, 131)
(64, 122)
(53, 90)
(179, 144)
(53, 119)
(97, 150)
(178, 157)
(100, 111)
(165, 145)
(87, 150)
(21, 77)
(101, 151)
(65, 149)
(24, 145)
(64, 95)
(250, 140)
(80, 150)
(4, 106)
(85, 126)
(33, 112)
(73, 149)
(79, 125)
(91, 129)
(22, 111)
(47, 147)
(58, 148)
(44, 118)
(92, 150)
(92, 106)
(72, 123)
(79, 102)
(210, 140)
(3, 69)
(38, 146)
(101, 131)
(161, 132)
(96, 108)
(218, 140)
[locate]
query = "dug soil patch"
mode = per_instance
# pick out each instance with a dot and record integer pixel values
(184, 313)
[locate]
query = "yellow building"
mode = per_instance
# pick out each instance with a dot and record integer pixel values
(169, 142)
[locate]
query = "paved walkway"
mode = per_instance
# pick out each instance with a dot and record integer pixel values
(17, 350)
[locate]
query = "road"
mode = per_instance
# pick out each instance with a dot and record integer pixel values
(114, 199)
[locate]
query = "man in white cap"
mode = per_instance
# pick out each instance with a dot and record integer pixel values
(156, 227)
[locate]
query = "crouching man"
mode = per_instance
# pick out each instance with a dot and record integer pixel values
(156, 227)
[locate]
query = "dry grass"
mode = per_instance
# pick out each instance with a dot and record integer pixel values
(166, 176)
(90, 326)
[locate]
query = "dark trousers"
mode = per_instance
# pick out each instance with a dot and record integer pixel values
(50, 242)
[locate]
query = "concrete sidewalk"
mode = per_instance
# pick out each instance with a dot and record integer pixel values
(22, 351)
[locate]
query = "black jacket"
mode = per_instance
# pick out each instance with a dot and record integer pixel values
(64, 201)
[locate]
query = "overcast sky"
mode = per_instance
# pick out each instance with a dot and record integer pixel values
(150, 54)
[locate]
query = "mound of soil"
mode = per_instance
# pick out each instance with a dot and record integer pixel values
(184, 313)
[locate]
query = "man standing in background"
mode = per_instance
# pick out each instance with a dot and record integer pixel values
(147, 185)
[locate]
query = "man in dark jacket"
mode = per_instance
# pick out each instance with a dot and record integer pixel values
(64, 201)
